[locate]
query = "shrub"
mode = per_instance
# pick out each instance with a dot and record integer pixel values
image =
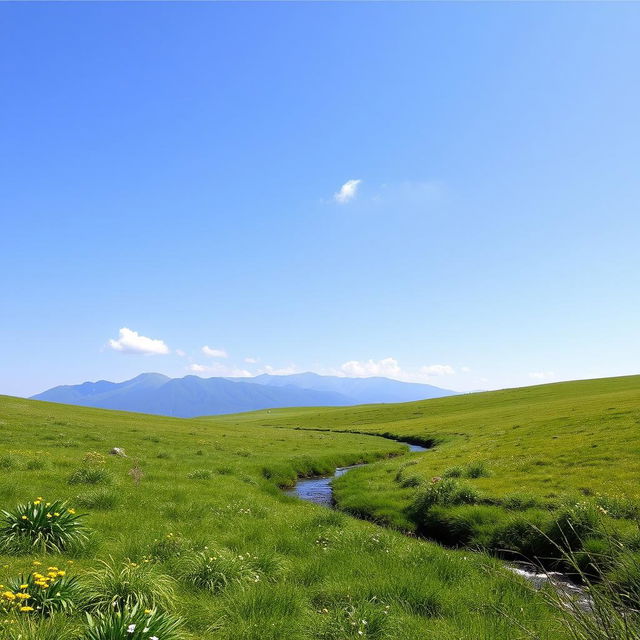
(100, 499)
(447, 492)
(47, 593)
(523, 534)
(50, 526)
(411, 481)
(215, 570)
(132, 623)
(90, 475)
(199, 474)
(453, 472)
(477, 470)
(573, 524)
(118, 586)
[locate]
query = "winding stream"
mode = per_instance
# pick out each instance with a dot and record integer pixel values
(318, 490)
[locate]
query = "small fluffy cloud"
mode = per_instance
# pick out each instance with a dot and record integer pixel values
(542, 375)
(181, 353)
(214, 353)
(347, 191)
(251, 360)
(220, 370)
(387, 367)
(132, 342)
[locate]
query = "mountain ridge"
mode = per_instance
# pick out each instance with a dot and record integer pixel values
(192, 395)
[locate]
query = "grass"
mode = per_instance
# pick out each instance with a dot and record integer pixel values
(283, 569)
(521, 457)
(193, 525)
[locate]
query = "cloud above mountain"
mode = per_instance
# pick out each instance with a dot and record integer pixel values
(390, 368)
(130, 341)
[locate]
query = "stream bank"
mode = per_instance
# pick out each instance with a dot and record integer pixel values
(319, 490)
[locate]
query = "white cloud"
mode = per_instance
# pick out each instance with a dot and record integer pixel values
(219, 369)
(251, 360)
(132, 342)
(438, 370)
(465, 369)
(542, 375)
(181, 353)
(347, 191)
(387, 367)
(390, 368)
(214, 353)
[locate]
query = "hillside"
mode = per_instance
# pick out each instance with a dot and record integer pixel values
(522, 456)
(193, 396)
(197, 498)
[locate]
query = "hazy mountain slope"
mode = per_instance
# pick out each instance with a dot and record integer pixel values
(360, 390)
(187, 397)
(193, 396)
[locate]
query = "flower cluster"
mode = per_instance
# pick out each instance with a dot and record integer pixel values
(43, 591)
(16, 600)
(52, 526)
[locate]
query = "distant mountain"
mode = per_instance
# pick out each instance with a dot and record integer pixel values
(193, 396)
(358, 390)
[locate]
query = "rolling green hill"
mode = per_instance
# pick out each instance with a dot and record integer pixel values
(194, 518)
(509, 459)
(195, 509)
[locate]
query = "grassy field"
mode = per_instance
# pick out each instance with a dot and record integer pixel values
(189, 536)
(503, 461)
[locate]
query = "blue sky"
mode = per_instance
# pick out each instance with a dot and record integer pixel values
(178, 171)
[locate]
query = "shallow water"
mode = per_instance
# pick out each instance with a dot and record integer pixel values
(318, 488)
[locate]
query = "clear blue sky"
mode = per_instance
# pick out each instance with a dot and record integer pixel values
(172, 169)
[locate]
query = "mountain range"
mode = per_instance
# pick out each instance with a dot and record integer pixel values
(194, 396)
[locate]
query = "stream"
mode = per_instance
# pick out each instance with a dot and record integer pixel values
(318, 490)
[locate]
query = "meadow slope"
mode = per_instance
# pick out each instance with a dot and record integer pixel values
(502, 462)
(193, 523)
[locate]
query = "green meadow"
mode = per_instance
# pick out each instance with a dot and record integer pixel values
(523, 473)
(190, 536)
